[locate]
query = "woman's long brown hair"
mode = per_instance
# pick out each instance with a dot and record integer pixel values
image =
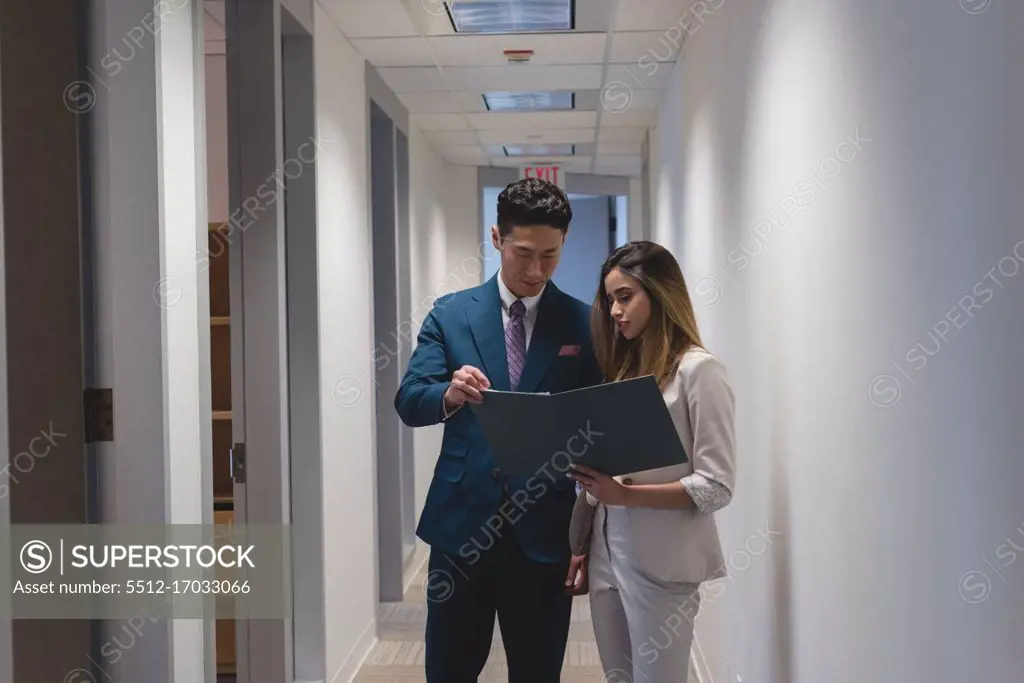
(671, 329)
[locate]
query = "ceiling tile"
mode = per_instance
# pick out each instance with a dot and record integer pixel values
(451, 138)
(413, 79)
(646, 99)
(562, 49)
(463, 152)
(627, 119)
(662, 15)
(442, 102)
(635, 134)
(616, 97)
(533, 120)
(524, 77)
(617, 149)
(586, 149)
(395, 51)
(430, 102)
(448, 122)
(371, 19)
(652, 76)
(472, 101)
(644, 47)
(474, 161)
(588, 100)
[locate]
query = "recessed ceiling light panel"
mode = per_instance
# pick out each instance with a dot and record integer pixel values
(511, 16)
(529, 101)
(540, 150)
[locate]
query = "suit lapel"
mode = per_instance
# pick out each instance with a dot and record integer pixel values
(544, 343)
(488, 330)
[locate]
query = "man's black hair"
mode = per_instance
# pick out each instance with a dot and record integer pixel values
(532, 201)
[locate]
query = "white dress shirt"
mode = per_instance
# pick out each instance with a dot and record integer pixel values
(529, 317)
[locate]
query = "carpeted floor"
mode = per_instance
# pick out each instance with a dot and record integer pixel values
(398, 655)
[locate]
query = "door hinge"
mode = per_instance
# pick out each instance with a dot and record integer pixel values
(99, 415)
(238, 463)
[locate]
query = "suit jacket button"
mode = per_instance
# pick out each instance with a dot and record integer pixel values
(627, 481)
(496, 473)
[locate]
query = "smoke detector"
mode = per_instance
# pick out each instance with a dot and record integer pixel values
(518, 56)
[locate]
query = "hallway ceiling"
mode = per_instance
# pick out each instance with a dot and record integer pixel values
(611, 70)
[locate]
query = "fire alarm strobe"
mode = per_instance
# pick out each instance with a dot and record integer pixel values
(518, 56)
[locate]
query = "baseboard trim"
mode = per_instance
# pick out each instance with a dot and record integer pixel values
(357, 655)
(697, 659)
(694, 674)
(419, 558)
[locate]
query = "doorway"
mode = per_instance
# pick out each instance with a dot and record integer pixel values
(262, 152)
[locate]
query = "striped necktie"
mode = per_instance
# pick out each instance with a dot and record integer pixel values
(515, 342)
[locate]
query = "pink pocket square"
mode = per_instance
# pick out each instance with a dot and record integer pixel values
(569, 351)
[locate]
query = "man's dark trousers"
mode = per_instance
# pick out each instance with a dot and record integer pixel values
(466, 592)
(499, 544)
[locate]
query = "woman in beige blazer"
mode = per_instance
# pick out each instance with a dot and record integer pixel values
(654, 538)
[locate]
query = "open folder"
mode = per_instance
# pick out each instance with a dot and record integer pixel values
(616, 428)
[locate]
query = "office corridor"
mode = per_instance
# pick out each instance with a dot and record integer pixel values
(226, 225)
(398, 655)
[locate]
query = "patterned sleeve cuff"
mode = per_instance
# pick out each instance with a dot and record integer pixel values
(708, 495)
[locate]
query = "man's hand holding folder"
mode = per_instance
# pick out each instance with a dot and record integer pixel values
(467, 386)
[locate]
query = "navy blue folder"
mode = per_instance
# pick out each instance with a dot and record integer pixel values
(616, 428)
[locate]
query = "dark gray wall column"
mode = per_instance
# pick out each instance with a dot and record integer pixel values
(41, 480)
(387, 345)
(406, 342)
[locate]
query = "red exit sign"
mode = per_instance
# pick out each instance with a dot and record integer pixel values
(548, 172)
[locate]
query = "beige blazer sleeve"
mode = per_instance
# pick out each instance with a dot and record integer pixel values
(711, 407)
(684, 545)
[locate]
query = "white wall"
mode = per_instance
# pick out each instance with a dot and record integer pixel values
(621, 220)
(879, 487)
(445, 257)
(346, 341)
(636, 228)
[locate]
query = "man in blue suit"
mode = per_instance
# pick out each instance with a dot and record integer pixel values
(498, 543)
